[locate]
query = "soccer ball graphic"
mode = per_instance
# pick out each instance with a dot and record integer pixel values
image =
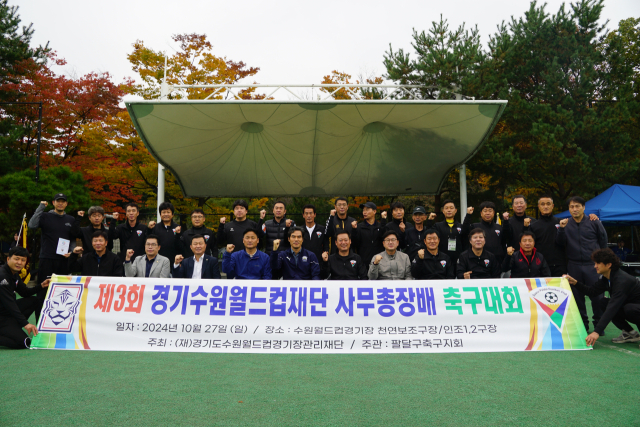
(551, 297)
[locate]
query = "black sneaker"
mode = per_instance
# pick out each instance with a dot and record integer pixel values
(625, 336)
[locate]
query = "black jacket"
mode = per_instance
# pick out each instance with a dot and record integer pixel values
(433, 267)
(338, 267)
(318, 242)
(53, 227)
(277, 230)
(10, 283)
(457, 233)
(109, 265)
(130, 238)
(394, 225)
(367, 240)
(209, 238)
(86, 235)
(521, 266)
(496, 237)
(335, 224)
(414, 241)
(168, 239)
(231, 232)
(516, 223)
(580, 239)
(485, 266)
(623, 288)
(546, 229)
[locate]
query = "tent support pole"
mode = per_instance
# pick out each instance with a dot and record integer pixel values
(463, 192)
(164, 91)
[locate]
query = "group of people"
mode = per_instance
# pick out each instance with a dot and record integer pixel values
(342, 249)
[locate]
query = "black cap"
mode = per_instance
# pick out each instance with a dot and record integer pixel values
(368, 205)
(419, 210)
(59, 196)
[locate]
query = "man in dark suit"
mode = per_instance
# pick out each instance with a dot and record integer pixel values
(199, 266)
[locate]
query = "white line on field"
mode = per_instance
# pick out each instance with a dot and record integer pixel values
(622, 350)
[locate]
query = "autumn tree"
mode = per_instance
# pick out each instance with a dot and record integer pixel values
(351, 92)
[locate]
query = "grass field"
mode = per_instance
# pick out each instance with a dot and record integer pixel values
(569, 388)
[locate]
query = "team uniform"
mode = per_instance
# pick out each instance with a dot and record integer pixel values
(496, 237)
(241, 265)
(291, 266)
(452, 236)
(130, 238)
(209, 239)
(91, 264)
(315, 240)
(485, 266)
(231, 233)
(14, 313)
(335, 224)
(348, 267)
(168, 239)
(433, 267)
(367, 240)
(522, 266)
(546, 229)
(516, 223)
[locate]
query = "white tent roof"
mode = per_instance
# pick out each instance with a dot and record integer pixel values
(292, 148)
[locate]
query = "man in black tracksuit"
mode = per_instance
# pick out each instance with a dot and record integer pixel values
(278, 228)
(414, 237)
(519, 222)
(477, 263)
(339, 221)
(496, 236)
(197, 229)
(99, 262)
(432, 263)
(96, 218)
(132, 234)
(14, 314)
(526, 261)
(168, 232)
(231, 233)
(622, 307)
(580, 237)
(344, 264)
(452, 238)
(367, 235)
(397, 223)
(314, 235)
(55, 225)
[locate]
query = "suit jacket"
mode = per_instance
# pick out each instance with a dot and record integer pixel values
(138, 267)
(210, 268)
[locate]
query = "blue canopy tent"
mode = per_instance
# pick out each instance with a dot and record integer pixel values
(618, 205)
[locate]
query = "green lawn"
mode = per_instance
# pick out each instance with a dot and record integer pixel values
(47, 387)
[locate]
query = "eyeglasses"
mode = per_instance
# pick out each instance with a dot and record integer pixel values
(196, 217)
(390, 240)
(151, 245)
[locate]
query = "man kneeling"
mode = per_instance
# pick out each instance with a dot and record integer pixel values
(623, 306)
(14, 313)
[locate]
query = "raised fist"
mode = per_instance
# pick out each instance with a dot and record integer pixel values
(178, 229)
(80, 213)
(564, 222)
(593, 217)
(288, 223)
(469, 210)
(44, 203)
(77, 250)
(402, 226)
(179, 259)
(421, 253)
(383, 214)
(223, 220)
(333, 212)
(130, 253)
(276, 244)
(151, 224)
(510, 250)
(115, 215)
(325, 256)
(354, 224)
(505, 216)
(230, 247)
(467, 275)
(432, 216)
(263, 213)
(527, 222)
(377, 259)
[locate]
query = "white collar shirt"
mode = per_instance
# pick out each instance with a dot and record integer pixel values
(310, 230)
(197, 267)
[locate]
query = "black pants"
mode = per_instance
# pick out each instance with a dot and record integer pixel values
(46, 268)
(11, 333)
(558, 270)
(585, 273)
(628, 313)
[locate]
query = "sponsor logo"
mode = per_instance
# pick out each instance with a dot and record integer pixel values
(206, 237)
(557, 226)
(304, 259)
(4, 282)
(497, 232)
(443, 263)
(319, 233)
(139, 232)
(353, 263)
(174, 231)
(486, 263)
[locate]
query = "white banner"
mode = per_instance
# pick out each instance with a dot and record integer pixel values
(236, 316)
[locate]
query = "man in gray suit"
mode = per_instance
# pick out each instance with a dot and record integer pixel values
(149, 265)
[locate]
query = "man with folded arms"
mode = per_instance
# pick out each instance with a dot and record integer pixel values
(152, 264)
(198, 266)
